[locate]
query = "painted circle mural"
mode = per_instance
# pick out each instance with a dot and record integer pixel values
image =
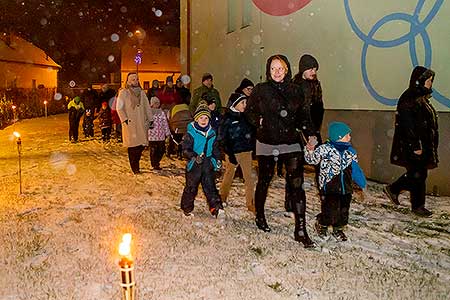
(280, 7)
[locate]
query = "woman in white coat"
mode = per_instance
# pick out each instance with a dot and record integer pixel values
(134, 112)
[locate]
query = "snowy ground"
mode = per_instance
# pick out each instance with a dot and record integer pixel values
(59, 238)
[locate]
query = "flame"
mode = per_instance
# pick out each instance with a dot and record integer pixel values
(125, 245)
(16, 134)
(13, 107)
(45, 102)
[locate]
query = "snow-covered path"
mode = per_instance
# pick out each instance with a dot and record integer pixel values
(59, 239)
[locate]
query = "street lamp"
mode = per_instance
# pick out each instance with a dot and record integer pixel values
(127, 268)
(19, 151)
(45, 105)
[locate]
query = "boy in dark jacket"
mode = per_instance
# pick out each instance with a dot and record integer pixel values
(338, 168)
(237, 138)
(200, 148)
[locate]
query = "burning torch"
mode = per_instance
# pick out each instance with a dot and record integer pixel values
(45, 105)
(127, 269)
(19, 151)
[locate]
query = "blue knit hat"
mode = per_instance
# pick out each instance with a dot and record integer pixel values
(337, 130)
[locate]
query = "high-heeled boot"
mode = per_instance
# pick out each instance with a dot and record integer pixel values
(261, 223)
(300, 233)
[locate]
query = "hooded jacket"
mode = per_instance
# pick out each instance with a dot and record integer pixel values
(278, 110)
(416, 126)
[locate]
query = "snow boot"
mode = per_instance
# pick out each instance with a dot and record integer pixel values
(261, 223)
(300, 233)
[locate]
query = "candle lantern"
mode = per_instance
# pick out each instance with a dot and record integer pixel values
(126, 265)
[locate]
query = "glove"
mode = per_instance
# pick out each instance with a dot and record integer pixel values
(219, 164)
(232, 159)
(199, 159)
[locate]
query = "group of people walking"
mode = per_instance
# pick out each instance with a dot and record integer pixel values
(279, 121)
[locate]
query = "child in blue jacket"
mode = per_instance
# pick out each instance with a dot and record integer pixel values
(202, 152)
(338, 169)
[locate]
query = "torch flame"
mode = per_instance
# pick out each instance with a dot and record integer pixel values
(124, 247)
(45, 102)
(16, 134)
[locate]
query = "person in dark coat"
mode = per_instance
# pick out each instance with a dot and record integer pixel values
(202, 151)
(237, 139)
(415, 141)
(183, 91)
(168, 95)
(76, 111)
(306, 78)
(153, 91)
(105, 121)
(278, 111)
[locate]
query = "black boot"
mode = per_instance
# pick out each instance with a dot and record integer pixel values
(300, 233)
(262, 223)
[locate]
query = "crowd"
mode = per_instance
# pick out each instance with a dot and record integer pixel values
(277, 122)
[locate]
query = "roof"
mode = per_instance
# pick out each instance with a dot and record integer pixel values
(22, 51)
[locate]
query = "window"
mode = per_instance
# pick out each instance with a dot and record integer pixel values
(246, 13)
(232, 14)
(146, 85)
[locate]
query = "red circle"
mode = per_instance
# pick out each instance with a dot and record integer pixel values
(280, 7)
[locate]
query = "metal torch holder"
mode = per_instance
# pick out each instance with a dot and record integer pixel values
(128, 283)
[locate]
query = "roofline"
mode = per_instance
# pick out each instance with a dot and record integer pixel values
(30, 63)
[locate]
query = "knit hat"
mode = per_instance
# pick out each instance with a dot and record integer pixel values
(307, 62)
(202, 110)
(207, 76)
(235, 98)
(337, 130)
(244, 84)
(154, 101)
(207, 98)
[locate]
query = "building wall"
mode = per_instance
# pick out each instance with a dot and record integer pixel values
(366, 50)
(22, 75)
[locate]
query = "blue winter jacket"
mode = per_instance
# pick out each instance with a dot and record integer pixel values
(194, 145)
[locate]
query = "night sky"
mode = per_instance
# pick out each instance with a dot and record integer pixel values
(84, 36)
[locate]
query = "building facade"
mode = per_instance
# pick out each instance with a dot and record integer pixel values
(366, 51)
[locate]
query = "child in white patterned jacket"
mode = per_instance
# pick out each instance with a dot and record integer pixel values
(338, 169)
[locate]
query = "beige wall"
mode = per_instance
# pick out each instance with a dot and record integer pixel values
(24, 74)
(323, 28)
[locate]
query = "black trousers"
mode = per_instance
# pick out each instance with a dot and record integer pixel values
(334, 210)
(74, 123)
(414, 181)
(295, 195)
(134, 156)
(157, 150)
(203, 174)
(106, 134)
(173, 147)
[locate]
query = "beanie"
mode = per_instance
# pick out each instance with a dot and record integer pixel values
(235, 98)
(244, 83)
(337, 130)
(207, 76)
(154, 101)
(208, 99)
(202, 110)
(307, 62)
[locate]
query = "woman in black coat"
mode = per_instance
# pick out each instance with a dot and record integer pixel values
(415, 142)
(277, 109)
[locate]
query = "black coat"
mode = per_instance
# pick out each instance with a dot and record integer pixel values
(278, 111)
(236, 134)
(312, 91)
(416, 126)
